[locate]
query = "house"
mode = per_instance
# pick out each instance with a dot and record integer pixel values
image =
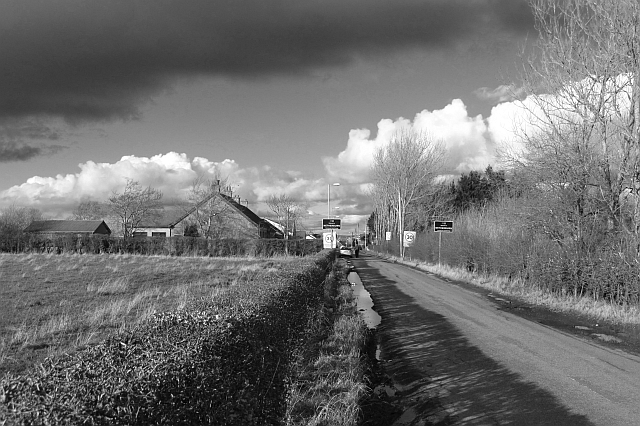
(293, 234)
(217, 216)
(74, 227)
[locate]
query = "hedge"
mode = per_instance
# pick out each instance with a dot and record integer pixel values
(177, 246)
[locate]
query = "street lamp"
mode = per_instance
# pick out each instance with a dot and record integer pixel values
(333, 240)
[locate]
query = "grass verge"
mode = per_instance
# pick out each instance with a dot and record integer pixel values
(597, 309)
(328, 377)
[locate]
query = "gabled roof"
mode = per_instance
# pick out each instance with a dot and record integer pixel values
(69, 226)
(171, 217)
(257, 220)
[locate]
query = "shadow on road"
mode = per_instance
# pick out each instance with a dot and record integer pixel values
(440, 377)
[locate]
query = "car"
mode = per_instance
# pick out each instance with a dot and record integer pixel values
(346, 251)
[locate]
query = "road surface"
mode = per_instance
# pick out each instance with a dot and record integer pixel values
(456, 358)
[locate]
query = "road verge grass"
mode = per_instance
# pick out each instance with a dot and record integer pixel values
(602, 310)
(329, 375)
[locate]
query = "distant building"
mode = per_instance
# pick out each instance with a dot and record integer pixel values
(74, 227)
(217, 216)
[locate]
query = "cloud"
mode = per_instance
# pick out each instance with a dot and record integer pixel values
(502, 93)
(511, 123)
(469, 146)
(20, 140)
(172, 173)
(15, 151)
(97, 60)
(12, 151)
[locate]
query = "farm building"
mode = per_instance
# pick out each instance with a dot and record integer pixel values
(74, 227)
(217, 216)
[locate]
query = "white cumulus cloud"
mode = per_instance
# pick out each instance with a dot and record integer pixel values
(468, 144)
(172, 173)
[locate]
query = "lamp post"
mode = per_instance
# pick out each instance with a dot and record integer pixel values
(333, 240)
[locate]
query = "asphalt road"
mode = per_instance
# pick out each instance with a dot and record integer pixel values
(455, 358)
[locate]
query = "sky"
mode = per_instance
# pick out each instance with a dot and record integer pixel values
(276, 96)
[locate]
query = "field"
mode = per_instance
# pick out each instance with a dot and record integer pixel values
(120, 339)
(56, 303)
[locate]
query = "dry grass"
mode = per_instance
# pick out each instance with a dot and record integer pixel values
(56, 303)
(515, 288)
(330, 385)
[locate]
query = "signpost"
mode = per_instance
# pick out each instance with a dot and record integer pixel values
(409, 238)
(441, 226)
(331, 223)
(327, 240)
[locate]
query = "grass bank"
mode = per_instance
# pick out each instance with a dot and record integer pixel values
(604, 310)
(329, 375)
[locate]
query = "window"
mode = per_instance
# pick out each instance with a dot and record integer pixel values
(158, 234)
(139, 234)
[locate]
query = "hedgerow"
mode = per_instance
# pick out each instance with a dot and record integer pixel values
(221, 361)
(175, 246)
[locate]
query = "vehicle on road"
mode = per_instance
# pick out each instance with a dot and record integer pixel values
(346, 251)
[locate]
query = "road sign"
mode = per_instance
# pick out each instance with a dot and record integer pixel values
(387, 236)
(331, 223)
(327, 239)
(443, 226)
(409, 238)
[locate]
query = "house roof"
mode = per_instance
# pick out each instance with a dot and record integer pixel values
(169, 218)
(69, 226)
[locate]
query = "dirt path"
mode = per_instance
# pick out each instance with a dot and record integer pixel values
(455, 357)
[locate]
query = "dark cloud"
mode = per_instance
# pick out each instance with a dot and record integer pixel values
(18, 151)
(19, 139)
(98, 60)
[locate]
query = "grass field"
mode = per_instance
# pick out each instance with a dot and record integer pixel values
(56, 303)
(164, 340)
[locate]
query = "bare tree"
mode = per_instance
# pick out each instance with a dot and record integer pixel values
(14, 219)
(90, 210)
(403, 168)
(583, 141)
(287, 210)
(134, 205)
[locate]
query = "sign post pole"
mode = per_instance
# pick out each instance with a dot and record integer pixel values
(332, 224)
(441, 226)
